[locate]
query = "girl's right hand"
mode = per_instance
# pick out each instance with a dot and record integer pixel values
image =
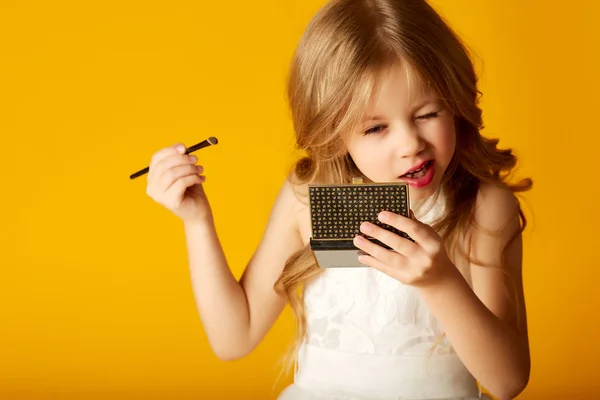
(175, 181)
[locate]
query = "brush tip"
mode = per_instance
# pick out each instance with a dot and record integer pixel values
(213, 140)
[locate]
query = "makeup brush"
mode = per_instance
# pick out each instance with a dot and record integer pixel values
(211, 141)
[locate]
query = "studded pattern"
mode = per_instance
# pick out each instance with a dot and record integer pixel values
(338, 210)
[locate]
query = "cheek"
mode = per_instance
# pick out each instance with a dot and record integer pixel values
(363, 158)
(365, 163)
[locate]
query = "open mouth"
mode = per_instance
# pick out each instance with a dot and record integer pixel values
(421, 172)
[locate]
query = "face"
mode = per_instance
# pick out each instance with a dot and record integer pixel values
(408, 135)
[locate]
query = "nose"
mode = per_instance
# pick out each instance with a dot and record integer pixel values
(407, 142)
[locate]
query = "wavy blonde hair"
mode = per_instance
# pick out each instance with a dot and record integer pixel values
(345, 48)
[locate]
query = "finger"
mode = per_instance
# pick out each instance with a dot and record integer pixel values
(158, 186)
(373, 262)
(179, 187)
(418, 231)
(382, 254)
(172, 175)
(172, 161)
(178, 148)
(396, 242)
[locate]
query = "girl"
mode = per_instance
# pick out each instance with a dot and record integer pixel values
(382, 90)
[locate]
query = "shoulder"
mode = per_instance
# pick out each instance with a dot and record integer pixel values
(495, 242)
(496, 211)
(293, 196)
(495, 232)
(290, 204)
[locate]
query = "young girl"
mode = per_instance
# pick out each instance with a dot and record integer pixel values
(385, 91)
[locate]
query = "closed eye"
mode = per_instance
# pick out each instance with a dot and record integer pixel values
(379, 128)
(429, 116)
(375, 129)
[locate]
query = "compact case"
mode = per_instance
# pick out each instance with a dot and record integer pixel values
(337, 211)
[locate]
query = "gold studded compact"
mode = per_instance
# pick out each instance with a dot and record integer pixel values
(338, 210)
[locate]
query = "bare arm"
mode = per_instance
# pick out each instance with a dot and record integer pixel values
(237, 315)
(487, 325)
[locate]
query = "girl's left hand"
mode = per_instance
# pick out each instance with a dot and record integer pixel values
(416, 264)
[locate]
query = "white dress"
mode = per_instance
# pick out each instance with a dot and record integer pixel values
(371, 337)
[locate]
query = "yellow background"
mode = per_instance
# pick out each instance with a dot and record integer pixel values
(95, 298)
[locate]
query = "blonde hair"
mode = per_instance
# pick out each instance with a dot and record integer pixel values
(345, 48)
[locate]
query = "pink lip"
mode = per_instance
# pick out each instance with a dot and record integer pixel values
(424, 180)
(416, 167)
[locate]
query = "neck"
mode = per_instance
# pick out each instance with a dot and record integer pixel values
(429, 208)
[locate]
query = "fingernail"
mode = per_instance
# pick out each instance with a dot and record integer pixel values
(180, 148)
(193, 158)
(365, 227)
(383, 216)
